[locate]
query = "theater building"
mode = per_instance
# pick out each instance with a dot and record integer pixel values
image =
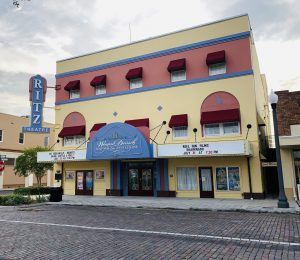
(179, 114)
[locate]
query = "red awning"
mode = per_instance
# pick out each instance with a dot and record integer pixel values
(72, 130)
(138, 122)
(134, 73)
(73, 85)
(98, 80)
(96, 127)
(178, 120)
(176, 65)
(221, 116)
(215, 57)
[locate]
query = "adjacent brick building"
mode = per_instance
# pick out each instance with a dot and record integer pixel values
(288, 111)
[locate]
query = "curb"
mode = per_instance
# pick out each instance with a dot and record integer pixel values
(240, 210)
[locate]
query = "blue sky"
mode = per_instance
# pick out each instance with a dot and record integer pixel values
(40, 32)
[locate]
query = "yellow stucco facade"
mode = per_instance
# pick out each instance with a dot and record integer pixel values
(247, 87)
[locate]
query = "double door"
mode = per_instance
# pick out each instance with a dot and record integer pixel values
(140, 182)
(84, 183)
(206, 182)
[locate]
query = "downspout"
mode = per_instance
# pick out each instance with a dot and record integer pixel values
(248, 164)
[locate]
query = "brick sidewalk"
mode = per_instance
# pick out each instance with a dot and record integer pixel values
(269, 206)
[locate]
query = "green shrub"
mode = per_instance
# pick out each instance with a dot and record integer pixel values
(41, 199)
(32, 191)
(14, 199)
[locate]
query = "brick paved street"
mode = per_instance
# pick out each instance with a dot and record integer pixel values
(84, 232)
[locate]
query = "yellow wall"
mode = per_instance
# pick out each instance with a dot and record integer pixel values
(100, 186)
(288, 172)
(261, 92)
(188, 36)
(183, 99)
(240, 162)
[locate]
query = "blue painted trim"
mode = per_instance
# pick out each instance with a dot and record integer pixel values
(157, 175)
(119, 175)
(111, 174)
(164, 86)
(125, 181)
(157, 54)
(166, 175)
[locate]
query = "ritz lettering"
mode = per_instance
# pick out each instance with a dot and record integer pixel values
(37, 102)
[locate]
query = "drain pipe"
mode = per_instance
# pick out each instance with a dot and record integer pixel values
(248, 164)
(249, 177)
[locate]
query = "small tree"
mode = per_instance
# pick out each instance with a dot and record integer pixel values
(27, 164)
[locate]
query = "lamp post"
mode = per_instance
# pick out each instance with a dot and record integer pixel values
(282, 201)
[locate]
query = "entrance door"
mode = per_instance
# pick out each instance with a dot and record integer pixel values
(140, 182)
(206, 183)
(84, 183)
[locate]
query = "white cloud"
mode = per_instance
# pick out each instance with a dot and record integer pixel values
(34, 37)
(280, 61)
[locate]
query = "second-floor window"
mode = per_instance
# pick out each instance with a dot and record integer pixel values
(216, 69)
(178, 75)
(74, 93)
(1, 135)
(136, 83)
(100, 89)
(21, 138)
(219, 129)
(46, 141)
(75, 140)
(180, 132)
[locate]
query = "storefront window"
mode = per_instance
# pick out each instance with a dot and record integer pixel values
(228, 178)
(221, 177)
(234, 178)
(186, 178)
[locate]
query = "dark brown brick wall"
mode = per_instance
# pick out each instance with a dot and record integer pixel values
(288, 110)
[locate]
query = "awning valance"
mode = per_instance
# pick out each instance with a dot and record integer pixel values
(138, 122)
(176, 65)
(134, 73)
(215, 57)
(178, 120)
(75, 84)
(96, 127)
(98, 80)
(221, 116)
(72, 131)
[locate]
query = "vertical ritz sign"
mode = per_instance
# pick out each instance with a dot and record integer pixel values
(37, 93)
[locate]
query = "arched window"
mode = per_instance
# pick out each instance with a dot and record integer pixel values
(220, 115)
(73, 131)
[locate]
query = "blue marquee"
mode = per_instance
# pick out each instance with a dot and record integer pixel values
(118, 141)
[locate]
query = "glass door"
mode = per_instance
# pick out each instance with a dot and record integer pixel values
(84, 183)
(140, 182)
(206, 183)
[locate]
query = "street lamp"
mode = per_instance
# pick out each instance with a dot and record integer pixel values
(282, 201)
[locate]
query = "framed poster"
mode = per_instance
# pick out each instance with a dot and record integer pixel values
(221, 176)
(99, 175)
(234, 178)
(79, 180)
(70, 175)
